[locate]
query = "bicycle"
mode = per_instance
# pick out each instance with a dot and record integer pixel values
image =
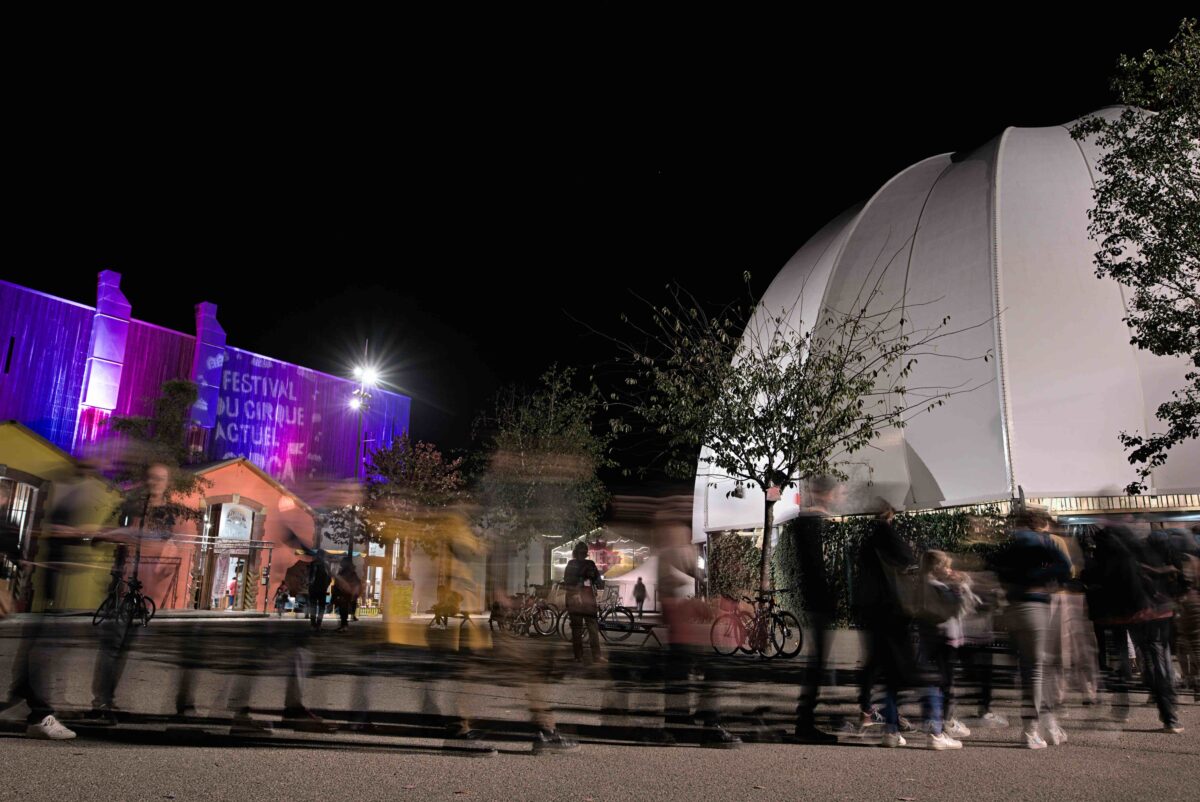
(614, 620)
(131, 608)
(767, 632)
(532, 613)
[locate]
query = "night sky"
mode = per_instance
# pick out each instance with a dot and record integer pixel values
(462, 202)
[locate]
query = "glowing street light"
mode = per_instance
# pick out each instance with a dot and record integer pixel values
(360, 401)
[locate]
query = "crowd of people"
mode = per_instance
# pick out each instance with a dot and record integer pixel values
(1084, 612)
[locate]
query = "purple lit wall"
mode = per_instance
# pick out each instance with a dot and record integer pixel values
(291, 421)
(43, 357)
(294, 422)
(152, 356)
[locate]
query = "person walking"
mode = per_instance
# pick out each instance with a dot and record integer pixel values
(639, 595)
(1029, 567)
(581, 580)
(946, 596)
(281, 599)
(818, 602)
(883, 561)
(318, 585)
(346, 587)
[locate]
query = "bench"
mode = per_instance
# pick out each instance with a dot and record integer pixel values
(639, 628)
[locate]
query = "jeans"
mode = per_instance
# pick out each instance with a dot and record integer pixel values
(111, 657)
(976, 660)
(1153, 638)
(889, 658)
(815, 673)
(578, 622)
(1117, 667)
(1027, 623)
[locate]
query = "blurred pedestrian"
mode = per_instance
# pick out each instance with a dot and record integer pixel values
(1189, 615)
(70, 516)
(281, 599)
(976, 654)
(346, 587)
(946, 596)
(883, 600)
(1030, 568)
(1070, 639)
(639, 595)
(581, 580)
(688, 651)
(318, 587)
(148, 504)
(817, 600)
(1152, 629)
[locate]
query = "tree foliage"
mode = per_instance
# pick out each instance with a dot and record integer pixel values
(540, 459)
(1146, 219)
(158, 439)
(768, 398)
(409, 484)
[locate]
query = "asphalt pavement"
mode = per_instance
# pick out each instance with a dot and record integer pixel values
(386, 708)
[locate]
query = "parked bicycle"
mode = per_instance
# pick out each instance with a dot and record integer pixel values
(615, 621)
(768, 632)
(531, 614)
(130, 608)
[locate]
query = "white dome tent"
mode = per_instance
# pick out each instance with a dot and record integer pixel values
(998, 236)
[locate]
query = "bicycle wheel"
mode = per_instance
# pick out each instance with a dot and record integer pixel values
(727, 634)
(106, 610)
(544, 621)
(566, 630)
(749, 644)
(616, 624)
(563, 626)
(768, 646)
(149, 608)
(126, 609)
(789, 637)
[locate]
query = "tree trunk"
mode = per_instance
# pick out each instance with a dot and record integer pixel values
(764, 578)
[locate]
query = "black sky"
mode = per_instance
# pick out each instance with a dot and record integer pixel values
(459, 197)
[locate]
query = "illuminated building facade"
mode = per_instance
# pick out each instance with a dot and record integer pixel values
(259, 428)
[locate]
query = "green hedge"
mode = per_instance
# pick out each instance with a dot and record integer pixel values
(970, 533)
(733, 563)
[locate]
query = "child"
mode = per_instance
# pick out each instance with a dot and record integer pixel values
(946, 597)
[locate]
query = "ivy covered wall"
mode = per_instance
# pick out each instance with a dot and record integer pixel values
(969, 533)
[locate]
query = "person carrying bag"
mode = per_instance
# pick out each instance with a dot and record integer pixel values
(581, 580)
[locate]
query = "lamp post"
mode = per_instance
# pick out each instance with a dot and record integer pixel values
(360, 402)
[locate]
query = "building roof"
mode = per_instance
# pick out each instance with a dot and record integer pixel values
(213, 467)
(996, 239)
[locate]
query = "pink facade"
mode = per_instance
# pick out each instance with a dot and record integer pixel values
(251, 521)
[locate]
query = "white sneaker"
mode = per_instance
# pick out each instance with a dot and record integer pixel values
(956, 729)
(851, 729)
(943, 741)
(1034, 741)
(994, 720)
(1056, 734)
(49, 729)
(1173, 729)
(893, 739)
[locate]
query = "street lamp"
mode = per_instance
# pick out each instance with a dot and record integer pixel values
(360, 402)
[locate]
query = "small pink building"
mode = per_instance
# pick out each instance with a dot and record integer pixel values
(246, 541)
